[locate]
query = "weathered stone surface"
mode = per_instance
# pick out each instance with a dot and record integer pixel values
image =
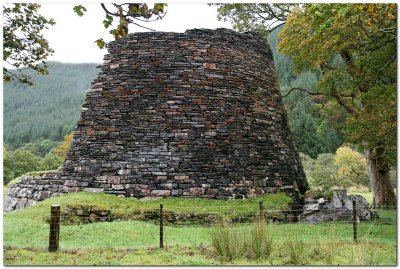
(339, 198)
(93, 189)
(327, 215)
(184, 114)
(164, 193)
(340, 208)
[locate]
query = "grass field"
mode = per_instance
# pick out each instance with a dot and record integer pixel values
(367, 195)
(136, 242)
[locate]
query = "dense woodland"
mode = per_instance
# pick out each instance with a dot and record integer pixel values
(38, 117)
(50, 108)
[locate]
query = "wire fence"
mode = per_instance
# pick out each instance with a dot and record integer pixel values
(191, 226)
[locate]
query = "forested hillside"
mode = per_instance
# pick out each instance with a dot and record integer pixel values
(48, 109)
(312, 133)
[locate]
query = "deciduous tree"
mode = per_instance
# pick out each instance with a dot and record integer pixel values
(352, 167)
(354, 46)
(62, 149)
(23, 43)
(262, 17)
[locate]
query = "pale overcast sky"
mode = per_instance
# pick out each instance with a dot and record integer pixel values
(73, 37)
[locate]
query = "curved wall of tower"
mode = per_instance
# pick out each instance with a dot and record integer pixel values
(194, 114)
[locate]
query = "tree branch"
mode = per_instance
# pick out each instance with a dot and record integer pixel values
(275, 27)
(343, 103)
(107, 11)
(292, 105)
(302, 90)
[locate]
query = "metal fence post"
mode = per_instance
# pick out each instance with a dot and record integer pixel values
(54, 228)
(354, 221)
(161, 226)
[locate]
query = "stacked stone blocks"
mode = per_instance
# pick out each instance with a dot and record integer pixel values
(194, 114)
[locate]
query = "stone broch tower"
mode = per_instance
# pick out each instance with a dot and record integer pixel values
(194, 114)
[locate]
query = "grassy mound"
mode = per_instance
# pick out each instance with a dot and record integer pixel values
(121, 206)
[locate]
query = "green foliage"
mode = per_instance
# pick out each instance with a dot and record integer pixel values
(352, 167)
(48, 110)
(324, 172)
(62, 149)
(344, 169)
(312, 133)
(20, 162)
(23, 43)
(379, 126)
(51, 161)
(79, 10)
(358, 64)
(261, 17)
(41, 146)
(126, 13)
(8, 173)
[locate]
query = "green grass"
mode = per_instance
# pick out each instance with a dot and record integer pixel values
(136, 242)
(28, 227)
(367, 195)
(349, 253)
(127, 206)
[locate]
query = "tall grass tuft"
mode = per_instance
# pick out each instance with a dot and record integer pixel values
(326, 249)
(360, 254)
(296, 249)
(259, 244)
(228, 241)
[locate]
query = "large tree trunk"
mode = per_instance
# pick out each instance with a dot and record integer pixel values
(378, 170)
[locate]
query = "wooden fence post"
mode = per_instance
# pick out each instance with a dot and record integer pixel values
(355, 221)
(261, 212)
(161, 226)
(54, 228)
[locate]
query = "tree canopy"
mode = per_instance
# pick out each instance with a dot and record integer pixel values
(354, 46)
(23, 44)
(262, 17)
(127, 13)
(25, 47)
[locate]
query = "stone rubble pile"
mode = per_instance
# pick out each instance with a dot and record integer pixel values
(339, 207)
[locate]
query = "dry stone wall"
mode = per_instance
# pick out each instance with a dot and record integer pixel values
(194, 114)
